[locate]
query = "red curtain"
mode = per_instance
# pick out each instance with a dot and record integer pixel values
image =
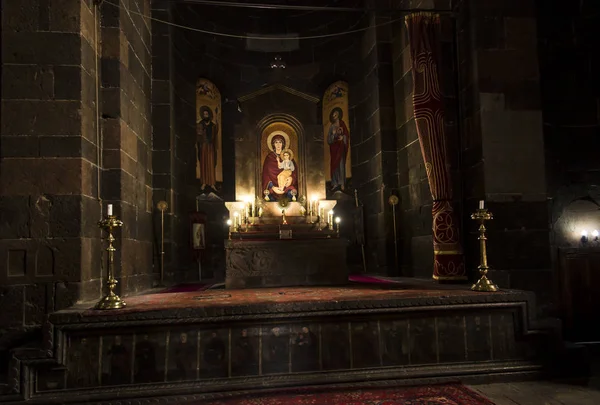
(423, 36)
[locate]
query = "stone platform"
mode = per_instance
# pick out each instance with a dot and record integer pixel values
(186, 347)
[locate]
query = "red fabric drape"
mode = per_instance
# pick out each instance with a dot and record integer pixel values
(423, 35)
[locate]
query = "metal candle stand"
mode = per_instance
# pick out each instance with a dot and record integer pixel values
(110, 300)
(484, 284)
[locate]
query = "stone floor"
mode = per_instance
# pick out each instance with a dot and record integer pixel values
(541, 393)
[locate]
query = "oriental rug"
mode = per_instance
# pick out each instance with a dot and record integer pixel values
(446, 394)
(186, 288)
(285, 295)
(364, 279)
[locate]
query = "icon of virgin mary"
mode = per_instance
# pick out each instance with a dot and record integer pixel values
(277, 142)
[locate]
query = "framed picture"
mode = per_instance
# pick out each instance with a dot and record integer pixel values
(197, 233)
(198, 240)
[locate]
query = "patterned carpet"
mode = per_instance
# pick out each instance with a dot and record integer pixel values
(226, 298)
(447, 394)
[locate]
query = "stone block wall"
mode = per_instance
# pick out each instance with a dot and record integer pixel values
(502, 140)
(50, 246)
(569, 66)
(374, 164)
(126, 123)
(163, 134)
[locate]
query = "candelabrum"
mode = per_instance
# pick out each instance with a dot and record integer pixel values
(110, 300)
(484, 284)
(162, 206)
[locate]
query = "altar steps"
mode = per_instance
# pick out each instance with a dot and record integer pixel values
(184, 347)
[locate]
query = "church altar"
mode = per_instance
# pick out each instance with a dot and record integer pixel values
(279, 250)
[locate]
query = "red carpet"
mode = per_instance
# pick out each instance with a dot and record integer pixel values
(364, 279)
(359, 278)
(447, 394)
(229, 298)
(186, 288)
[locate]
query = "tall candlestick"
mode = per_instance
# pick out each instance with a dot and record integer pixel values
(109, 210)
(110, 300)
(481, 204)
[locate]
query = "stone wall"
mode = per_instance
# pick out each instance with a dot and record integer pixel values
(163, 133)
(502, 140)
(49, 202)
(126, 125)
(374, 164)
(569, 65)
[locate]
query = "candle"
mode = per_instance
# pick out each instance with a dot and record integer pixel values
(481, 204)
(236, 219)
(253, 207)
(109, 210)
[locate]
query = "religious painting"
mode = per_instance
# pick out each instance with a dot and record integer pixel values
(209, 163)
(214, 353)
(83, 362)
(336, 136)
(305, 348)
(394, 342)
(182, 355)
(244, 351)
(150, 355)
(365, 344)
(117, 358)
(336, 346)
(280, 170)
(275, 350)
(197, 234)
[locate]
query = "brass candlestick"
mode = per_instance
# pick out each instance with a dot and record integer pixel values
(110, 300)
(162, 206)
(483, 284)
(284, 221)
(393, 201)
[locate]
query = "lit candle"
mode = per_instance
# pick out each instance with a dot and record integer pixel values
(236, 219)
(337, 223)
(481, 204)
(109, 210)
(330, 218)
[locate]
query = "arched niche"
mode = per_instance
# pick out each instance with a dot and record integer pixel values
(278, 108)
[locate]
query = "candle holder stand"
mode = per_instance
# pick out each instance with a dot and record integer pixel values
(484, 284)
(110, 300)
(162, 206)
